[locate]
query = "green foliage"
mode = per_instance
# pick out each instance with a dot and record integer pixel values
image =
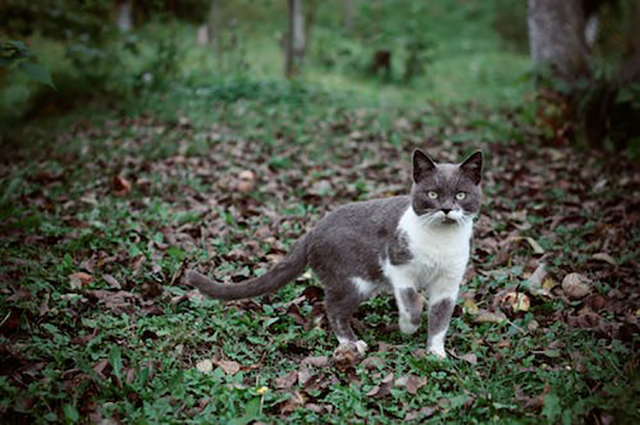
(601, 108)
(181, 145)
(17, 54)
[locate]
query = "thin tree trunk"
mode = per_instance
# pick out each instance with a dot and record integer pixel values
(295, 42)
(348, 16)
(125, 20)
(215, 30)
(556, 36)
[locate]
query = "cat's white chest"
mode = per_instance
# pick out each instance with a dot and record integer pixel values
(435, 251)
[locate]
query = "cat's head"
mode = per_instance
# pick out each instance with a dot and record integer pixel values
(446, 194)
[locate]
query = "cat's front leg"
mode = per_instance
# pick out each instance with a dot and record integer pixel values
(410, 304)
(442, 299)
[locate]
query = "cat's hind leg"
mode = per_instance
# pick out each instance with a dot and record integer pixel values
(341, 304)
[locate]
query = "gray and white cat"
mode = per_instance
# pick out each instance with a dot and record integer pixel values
(401, 245)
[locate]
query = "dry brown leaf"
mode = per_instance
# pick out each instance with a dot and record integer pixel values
(20, 295)
(120, 185)
(514, 301)
(297, 399)
(423, 413)
(603, 256)
(303, 374)
(470, 358)
(246, 181)
(470, 306)
(112, 281)
(373, 362)
(537, 249)
(317, 361)
(287, 381)
(538, 283)
(411, 382)
(79, 280)
(229, 366)
(383, 388)
(576, 286)
(535, 246)
(485, 316)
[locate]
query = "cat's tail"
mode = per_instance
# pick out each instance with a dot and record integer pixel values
(292, 266)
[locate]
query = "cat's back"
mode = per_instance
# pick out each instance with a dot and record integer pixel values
(375, 218)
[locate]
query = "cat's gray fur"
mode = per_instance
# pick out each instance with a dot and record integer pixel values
(355, 240)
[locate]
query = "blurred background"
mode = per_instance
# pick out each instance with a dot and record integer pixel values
(390, 52)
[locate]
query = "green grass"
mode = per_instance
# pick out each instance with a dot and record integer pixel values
(71, 353)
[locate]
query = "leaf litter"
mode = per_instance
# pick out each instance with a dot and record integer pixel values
(542, 225)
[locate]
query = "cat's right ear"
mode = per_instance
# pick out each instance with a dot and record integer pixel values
(422, 165)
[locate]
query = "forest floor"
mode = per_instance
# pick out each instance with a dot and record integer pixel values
(101, 215)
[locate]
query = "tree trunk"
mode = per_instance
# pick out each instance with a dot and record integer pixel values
(347, 22)
(295, 42)
(556, 37)
(125, 20)
(215, 30)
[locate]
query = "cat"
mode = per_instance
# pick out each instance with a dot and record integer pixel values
(402, 245)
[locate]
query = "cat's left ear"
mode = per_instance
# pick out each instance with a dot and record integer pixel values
(422, 165)
(472, 167)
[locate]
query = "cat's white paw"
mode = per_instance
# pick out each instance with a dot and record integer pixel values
(438, 352)
(359, 346)
(362, 347)
(407, 326)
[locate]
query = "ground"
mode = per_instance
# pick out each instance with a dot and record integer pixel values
(101, 215)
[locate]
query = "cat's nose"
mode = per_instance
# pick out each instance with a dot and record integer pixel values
(446, 210)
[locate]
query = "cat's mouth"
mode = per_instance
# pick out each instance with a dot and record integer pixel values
(449, 221)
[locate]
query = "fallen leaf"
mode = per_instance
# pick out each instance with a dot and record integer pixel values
(424, 413)
(287, 381)
(246, 181)
(602, 256)
(535, 246)
(549, 284)
(297, 399)
(586, 319)
(85, 339)
(470, 306)
(383, 388)
(515, 301)
(317, 361)
(470, 358)
(99, 367)
(537, 249)
(204, 366)
(112, 281)
(411, 382)
(485, 316)
(576, 286)
(229, 366)
(120, 185)
(79, 280)
(372, 362)
(536, 283)
(88, 265)
(20, 295)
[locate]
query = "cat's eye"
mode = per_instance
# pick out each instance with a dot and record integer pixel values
(460, 196)
(432, 194)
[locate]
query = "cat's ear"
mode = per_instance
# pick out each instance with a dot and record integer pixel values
(472, 167)
(422, 165)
